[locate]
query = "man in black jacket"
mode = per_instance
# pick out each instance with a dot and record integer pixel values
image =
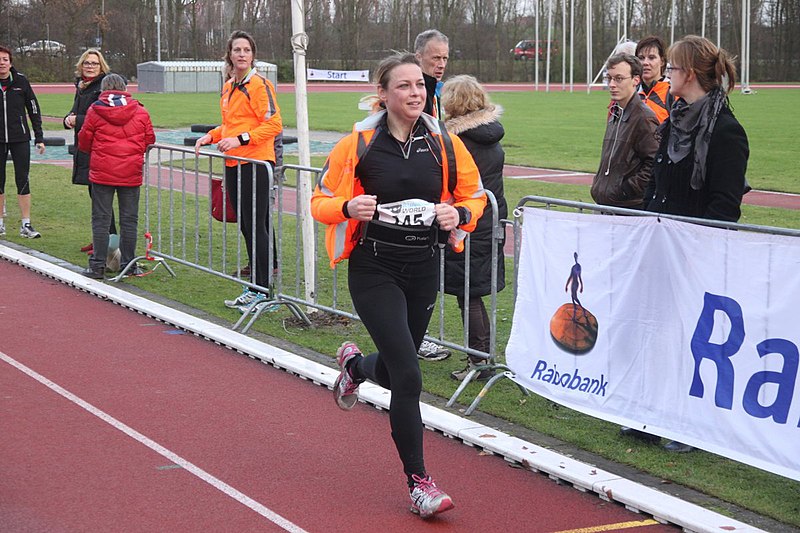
(432, 48)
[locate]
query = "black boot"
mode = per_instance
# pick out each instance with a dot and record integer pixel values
(94, 272)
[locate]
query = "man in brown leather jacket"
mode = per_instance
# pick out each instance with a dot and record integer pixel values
(630, 141)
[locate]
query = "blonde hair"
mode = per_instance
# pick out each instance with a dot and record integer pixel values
(104, 68)
(464, 94)
(712, 66)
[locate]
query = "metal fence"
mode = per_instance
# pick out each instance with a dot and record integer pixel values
(181, 229)
(179, 222)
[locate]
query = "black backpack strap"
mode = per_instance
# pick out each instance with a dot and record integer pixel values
(450, 153)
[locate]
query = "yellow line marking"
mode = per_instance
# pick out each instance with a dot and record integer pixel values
(612, 527)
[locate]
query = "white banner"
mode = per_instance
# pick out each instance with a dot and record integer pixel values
(680, 330)
(337, 75)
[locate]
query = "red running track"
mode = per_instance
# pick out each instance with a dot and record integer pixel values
(245, 447)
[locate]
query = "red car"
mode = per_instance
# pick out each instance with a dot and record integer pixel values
(527, 49)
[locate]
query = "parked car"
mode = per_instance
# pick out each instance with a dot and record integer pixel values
(43, 46)
(526, 49)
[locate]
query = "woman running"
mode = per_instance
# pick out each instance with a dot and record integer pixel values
(388, 197)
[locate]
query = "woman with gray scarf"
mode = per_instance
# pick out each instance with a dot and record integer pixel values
(699, 169)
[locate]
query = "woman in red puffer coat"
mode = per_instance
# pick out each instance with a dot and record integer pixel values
(116, 133)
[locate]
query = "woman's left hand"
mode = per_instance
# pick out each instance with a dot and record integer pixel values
(446, 216)
(228, 143)
(40, 148)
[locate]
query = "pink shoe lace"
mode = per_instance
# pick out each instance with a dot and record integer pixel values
(427, 499)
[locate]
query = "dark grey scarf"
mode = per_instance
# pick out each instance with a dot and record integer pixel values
(693, 124)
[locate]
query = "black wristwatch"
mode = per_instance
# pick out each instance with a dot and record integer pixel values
(464, 215)
(244, 138)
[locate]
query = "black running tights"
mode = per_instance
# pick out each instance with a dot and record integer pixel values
(395, 301)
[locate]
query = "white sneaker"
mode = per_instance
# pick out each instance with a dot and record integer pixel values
(28, 232)
(2, 229)
(246, 298)
(430, 351)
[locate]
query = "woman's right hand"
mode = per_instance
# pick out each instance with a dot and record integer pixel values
(362, 207)
(202, 141)
(69, 121)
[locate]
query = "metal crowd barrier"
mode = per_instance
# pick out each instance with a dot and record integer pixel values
(183, 231)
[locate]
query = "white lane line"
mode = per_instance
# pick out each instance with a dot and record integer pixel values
(178, 460)
(549, 176)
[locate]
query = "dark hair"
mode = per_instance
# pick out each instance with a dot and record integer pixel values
(113, 82)
(385, 68)
(633, 61)
(427, 36)
(8, 51)
(653, 41)
(238, 34)
(712, 66)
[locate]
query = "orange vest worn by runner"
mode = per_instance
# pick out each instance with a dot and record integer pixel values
(338, 183)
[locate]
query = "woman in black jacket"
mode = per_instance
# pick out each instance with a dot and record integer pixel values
(471, 115)
(700, 165)
(90, 70)
(15, 138)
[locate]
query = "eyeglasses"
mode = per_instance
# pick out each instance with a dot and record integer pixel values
(670, 68)
(616, 79)
(90, 64)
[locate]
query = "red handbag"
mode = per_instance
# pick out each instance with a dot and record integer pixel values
(216, 203)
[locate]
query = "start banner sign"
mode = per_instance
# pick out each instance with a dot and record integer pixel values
(680, 330)
(337, 75)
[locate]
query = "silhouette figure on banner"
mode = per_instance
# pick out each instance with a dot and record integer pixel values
(573, 327)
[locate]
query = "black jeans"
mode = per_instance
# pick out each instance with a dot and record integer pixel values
(479, 326)
(112, 227)
(395, 301)
(102, 201)
(260, 267)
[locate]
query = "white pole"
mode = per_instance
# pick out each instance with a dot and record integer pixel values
(745, 47)
(625, 18)
(538, 47)
(672, 24)
(549, 40)
(304, 185)
(571, 43)
(158, 30)
(719, 22)
(742, 68)
(588, 46)
(563, 45)
(703, 31)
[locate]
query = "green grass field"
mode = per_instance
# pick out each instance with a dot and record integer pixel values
(553, 130)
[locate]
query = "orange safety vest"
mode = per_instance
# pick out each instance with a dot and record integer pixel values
(658, 98)
(250, 106)
(338, 183)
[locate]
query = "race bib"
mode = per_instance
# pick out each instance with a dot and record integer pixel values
(412, 212)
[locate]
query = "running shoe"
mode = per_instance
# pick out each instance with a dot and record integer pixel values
(28, 232)
(430, 351)
(245, 298)
(427, 499)
(259, 301)
(345, 389)
(2, 229)
(135, 270)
